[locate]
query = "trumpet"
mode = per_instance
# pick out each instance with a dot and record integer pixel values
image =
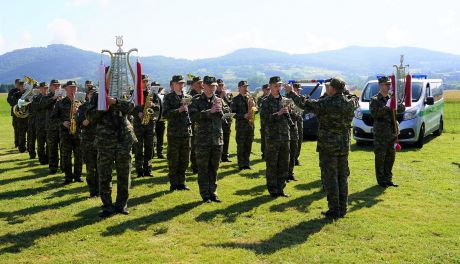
(187, 100)
(288, 102)
(21, 109)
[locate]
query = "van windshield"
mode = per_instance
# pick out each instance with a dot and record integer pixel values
(372, 89)
(306, 90)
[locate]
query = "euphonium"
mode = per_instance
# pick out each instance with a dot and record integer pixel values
(148, 112)
(21, 109)
(252, 109)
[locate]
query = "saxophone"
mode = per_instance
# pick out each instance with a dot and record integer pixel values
(148, 112)
(79, 97)
(252, 109)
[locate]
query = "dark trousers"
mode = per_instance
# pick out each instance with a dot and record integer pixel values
(160, 134)
(42, 147)
(227, 130)
(89, 154)
(31, 139)
(292, 156)
(144, 147)
(70, 144)
(53, 141)
(208, 159)
(21, 127)
(262, 140)
(334, 175)
(244, 139)
(178, 158)
(385, 155)
(277, 162)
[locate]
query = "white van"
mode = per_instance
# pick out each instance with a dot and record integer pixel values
(424, 117)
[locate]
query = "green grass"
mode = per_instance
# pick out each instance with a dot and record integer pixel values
(44, 222)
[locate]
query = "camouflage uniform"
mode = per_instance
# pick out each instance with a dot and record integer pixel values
(208, 141)
(293, 144)
(244, 130)
(40, 131)
(277, 136)
(69, 143)
(262, 126)
(179, 133)
(226, 125)
(383, 138)
(21, 124)
(300, 136)
(12, 103)
(160, 128)
(145, 135)
(89, 149)
(335, 115)
(193, 164)
(114, 139)
(52, 132)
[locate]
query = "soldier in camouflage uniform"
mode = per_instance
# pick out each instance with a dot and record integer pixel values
(179, 132)
(277, 137)
(293, 143)
(10, 100)
(52, 128)
(244, 128)
(160, 125)
(260, 100)
(40, 122)
(335, 112)
(21, 123)
(206, 112)
(88, 148)
(114, 139)
(70, 143)
(226, 122)
(297, 89)
(145, 134)
(31, 135)
(197, 88)
(384, 136)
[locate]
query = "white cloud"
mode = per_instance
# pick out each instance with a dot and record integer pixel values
(84, 3)
(62, 32)
(395, 36)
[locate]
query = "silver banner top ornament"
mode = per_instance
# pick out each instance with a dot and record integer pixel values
(117, 80)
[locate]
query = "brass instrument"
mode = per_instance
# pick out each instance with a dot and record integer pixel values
(148, 112)
(79, 98)
(252, 109)
(21, 109)
(187, 100)
(288, 102)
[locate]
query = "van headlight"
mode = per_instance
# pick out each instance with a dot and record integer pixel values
(358, 114)
(411, 114)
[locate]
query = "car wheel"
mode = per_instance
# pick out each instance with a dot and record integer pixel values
(440, 129)
(421, 137)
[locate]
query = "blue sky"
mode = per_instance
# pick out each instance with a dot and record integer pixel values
(205, 28)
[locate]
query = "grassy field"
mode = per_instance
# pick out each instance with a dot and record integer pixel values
(42, 221)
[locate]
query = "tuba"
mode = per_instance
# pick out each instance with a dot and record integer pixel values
(21, 109)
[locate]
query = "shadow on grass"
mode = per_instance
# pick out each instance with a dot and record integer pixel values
(149, 180)
(287, 238)
(233, 211)
(257, 190)
(15, 217)
(301, 204)
(144, 222)
(15, 243)
(365, 199)
(29, 191)
(82, 187)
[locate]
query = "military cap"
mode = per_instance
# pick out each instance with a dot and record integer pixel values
(210, 80)
(35, 85)
(275, 79)
(16, 81)
(89, 82)
(297, 86)
(43, 84)
(196, 79)
(220, 81)
(145, 77)
(55, 82)
(243, 83)
(91, 89)
(154, 83)
(336, 82)
(384, 79)
(265, 86)
(178, 78)
(71, 83)
(21, 82)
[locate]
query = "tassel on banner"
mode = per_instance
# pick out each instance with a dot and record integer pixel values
(102, 102)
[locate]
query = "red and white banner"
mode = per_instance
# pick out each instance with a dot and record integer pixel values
(138, 94)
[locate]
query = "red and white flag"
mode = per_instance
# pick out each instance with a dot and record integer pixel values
(138, 94)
